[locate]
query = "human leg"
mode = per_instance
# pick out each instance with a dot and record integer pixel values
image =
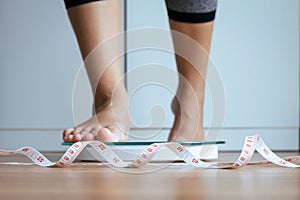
(94, 23)
(196, 21)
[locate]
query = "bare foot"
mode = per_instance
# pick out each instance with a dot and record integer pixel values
(97, 27)
(187, 107)
(109, 124)
(191, 64)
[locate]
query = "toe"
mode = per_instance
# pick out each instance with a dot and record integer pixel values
(88, 137)
(105, 135)
(66, 133)
(77, 137)
(95, 131)
(69, 138)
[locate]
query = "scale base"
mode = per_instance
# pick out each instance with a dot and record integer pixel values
(131, 153)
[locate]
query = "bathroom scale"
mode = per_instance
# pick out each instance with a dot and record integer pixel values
(129, 151)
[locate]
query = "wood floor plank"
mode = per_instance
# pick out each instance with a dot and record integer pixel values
(174, 181)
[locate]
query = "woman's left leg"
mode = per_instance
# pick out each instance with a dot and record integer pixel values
(196, 22)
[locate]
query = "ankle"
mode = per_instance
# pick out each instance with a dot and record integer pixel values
(104, 98)
(191, 93)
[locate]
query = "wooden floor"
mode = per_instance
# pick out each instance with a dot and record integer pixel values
(156, 181)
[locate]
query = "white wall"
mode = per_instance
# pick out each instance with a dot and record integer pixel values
(255, 47)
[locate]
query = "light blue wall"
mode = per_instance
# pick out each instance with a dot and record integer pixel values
(39, 61)
(255, 47)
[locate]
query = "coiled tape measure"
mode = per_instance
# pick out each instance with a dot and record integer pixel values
(104, 151)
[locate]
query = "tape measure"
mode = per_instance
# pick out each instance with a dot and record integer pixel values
(128, 151)
(251, 144)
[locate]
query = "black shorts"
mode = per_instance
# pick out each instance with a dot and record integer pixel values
(191, 11)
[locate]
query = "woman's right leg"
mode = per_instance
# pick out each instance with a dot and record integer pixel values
(94, 23)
